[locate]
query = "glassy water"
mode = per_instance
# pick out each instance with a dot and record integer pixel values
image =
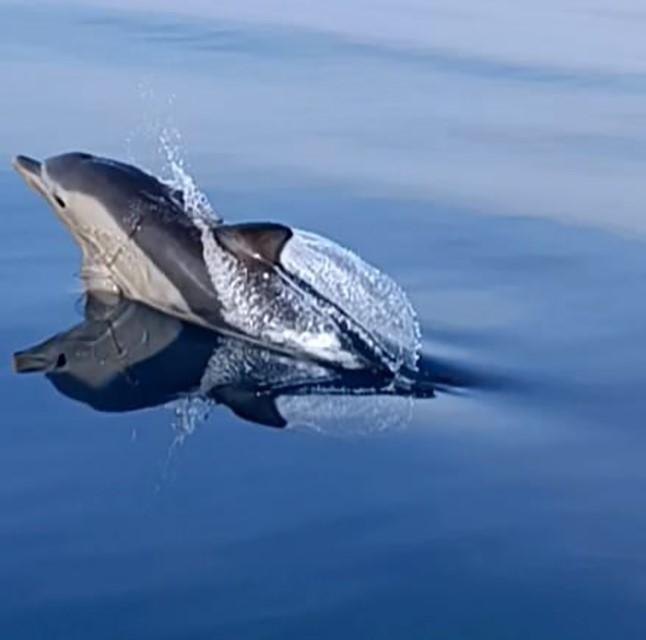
(493, 165)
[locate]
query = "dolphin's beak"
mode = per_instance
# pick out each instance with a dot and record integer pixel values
(32, 360)
(31, 171)
(27, 166)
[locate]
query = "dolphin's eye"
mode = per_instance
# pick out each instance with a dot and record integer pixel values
(59, 201)
(61, 361)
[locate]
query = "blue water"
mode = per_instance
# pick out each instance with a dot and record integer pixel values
(502, 189)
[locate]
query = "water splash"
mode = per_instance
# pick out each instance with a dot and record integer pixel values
(372, 303)
(189, 412)
(196, 203)
(335, 299)
(236, 363)
(269, 308)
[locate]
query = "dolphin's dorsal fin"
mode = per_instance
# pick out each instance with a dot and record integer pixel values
(260, 240)
(248, 405)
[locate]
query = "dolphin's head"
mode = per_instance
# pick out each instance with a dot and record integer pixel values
(99, 200)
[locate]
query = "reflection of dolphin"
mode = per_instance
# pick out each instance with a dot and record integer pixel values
(126, 356)
(274, 285)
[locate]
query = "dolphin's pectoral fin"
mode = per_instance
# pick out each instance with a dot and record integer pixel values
(262, 241)
(97, 278)
(251, 406)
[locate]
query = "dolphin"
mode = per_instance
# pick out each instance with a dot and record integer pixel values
(139, 239)
(126, 356)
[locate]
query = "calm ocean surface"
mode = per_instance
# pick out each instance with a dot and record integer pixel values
(494, 165)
